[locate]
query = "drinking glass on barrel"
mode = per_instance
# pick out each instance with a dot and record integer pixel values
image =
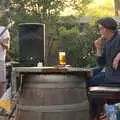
(62, 58)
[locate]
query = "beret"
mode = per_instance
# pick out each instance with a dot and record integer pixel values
(108, 22)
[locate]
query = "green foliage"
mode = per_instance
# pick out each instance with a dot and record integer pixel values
(79, 6)
(43, 7)
(61, 33)
(117, 7)
(79, 47)
(36, 11)
(100, 10)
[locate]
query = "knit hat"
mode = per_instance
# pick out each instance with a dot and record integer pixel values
(108, 22)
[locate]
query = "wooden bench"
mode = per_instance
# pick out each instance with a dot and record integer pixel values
(103, 94)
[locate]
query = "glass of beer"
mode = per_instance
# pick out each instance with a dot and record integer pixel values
(62, 59)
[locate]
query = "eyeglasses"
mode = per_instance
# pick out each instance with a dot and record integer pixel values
(100, 26)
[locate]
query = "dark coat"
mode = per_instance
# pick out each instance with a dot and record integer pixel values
(111, 49)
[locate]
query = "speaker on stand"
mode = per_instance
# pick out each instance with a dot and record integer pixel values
(31, 44)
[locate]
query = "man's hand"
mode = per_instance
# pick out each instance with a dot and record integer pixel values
(98, 43)
(116, 61)
(98, 46)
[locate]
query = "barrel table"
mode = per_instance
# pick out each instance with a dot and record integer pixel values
(50, 93)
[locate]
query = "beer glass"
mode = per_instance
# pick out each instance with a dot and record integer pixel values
(62, 59)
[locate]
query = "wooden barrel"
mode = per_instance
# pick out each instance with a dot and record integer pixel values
(52, 96)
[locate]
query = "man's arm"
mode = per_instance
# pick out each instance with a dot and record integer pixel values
(116, 61)
(100, 54)
(98, 47)
(5, 43)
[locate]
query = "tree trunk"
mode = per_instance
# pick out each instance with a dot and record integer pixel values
(117, 7)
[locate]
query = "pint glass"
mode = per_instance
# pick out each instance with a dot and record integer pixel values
(62, 59)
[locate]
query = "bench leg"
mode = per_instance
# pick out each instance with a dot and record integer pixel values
(96, 106)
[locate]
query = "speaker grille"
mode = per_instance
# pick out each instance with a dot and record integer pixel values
(31, 43)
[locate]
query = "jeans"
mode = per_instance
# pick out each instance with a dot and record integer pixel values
(97, 79)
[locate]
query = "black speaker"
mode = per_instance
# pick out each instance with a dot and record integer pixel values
(31, 43)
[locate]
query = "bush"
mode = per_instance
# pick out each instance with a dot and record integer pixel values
(79, 48)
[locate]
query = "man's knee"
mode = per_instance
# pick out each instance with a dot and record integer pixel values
(97, 80)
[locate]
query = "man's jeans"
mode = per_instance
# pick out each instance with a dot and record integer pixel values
(97, 79)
